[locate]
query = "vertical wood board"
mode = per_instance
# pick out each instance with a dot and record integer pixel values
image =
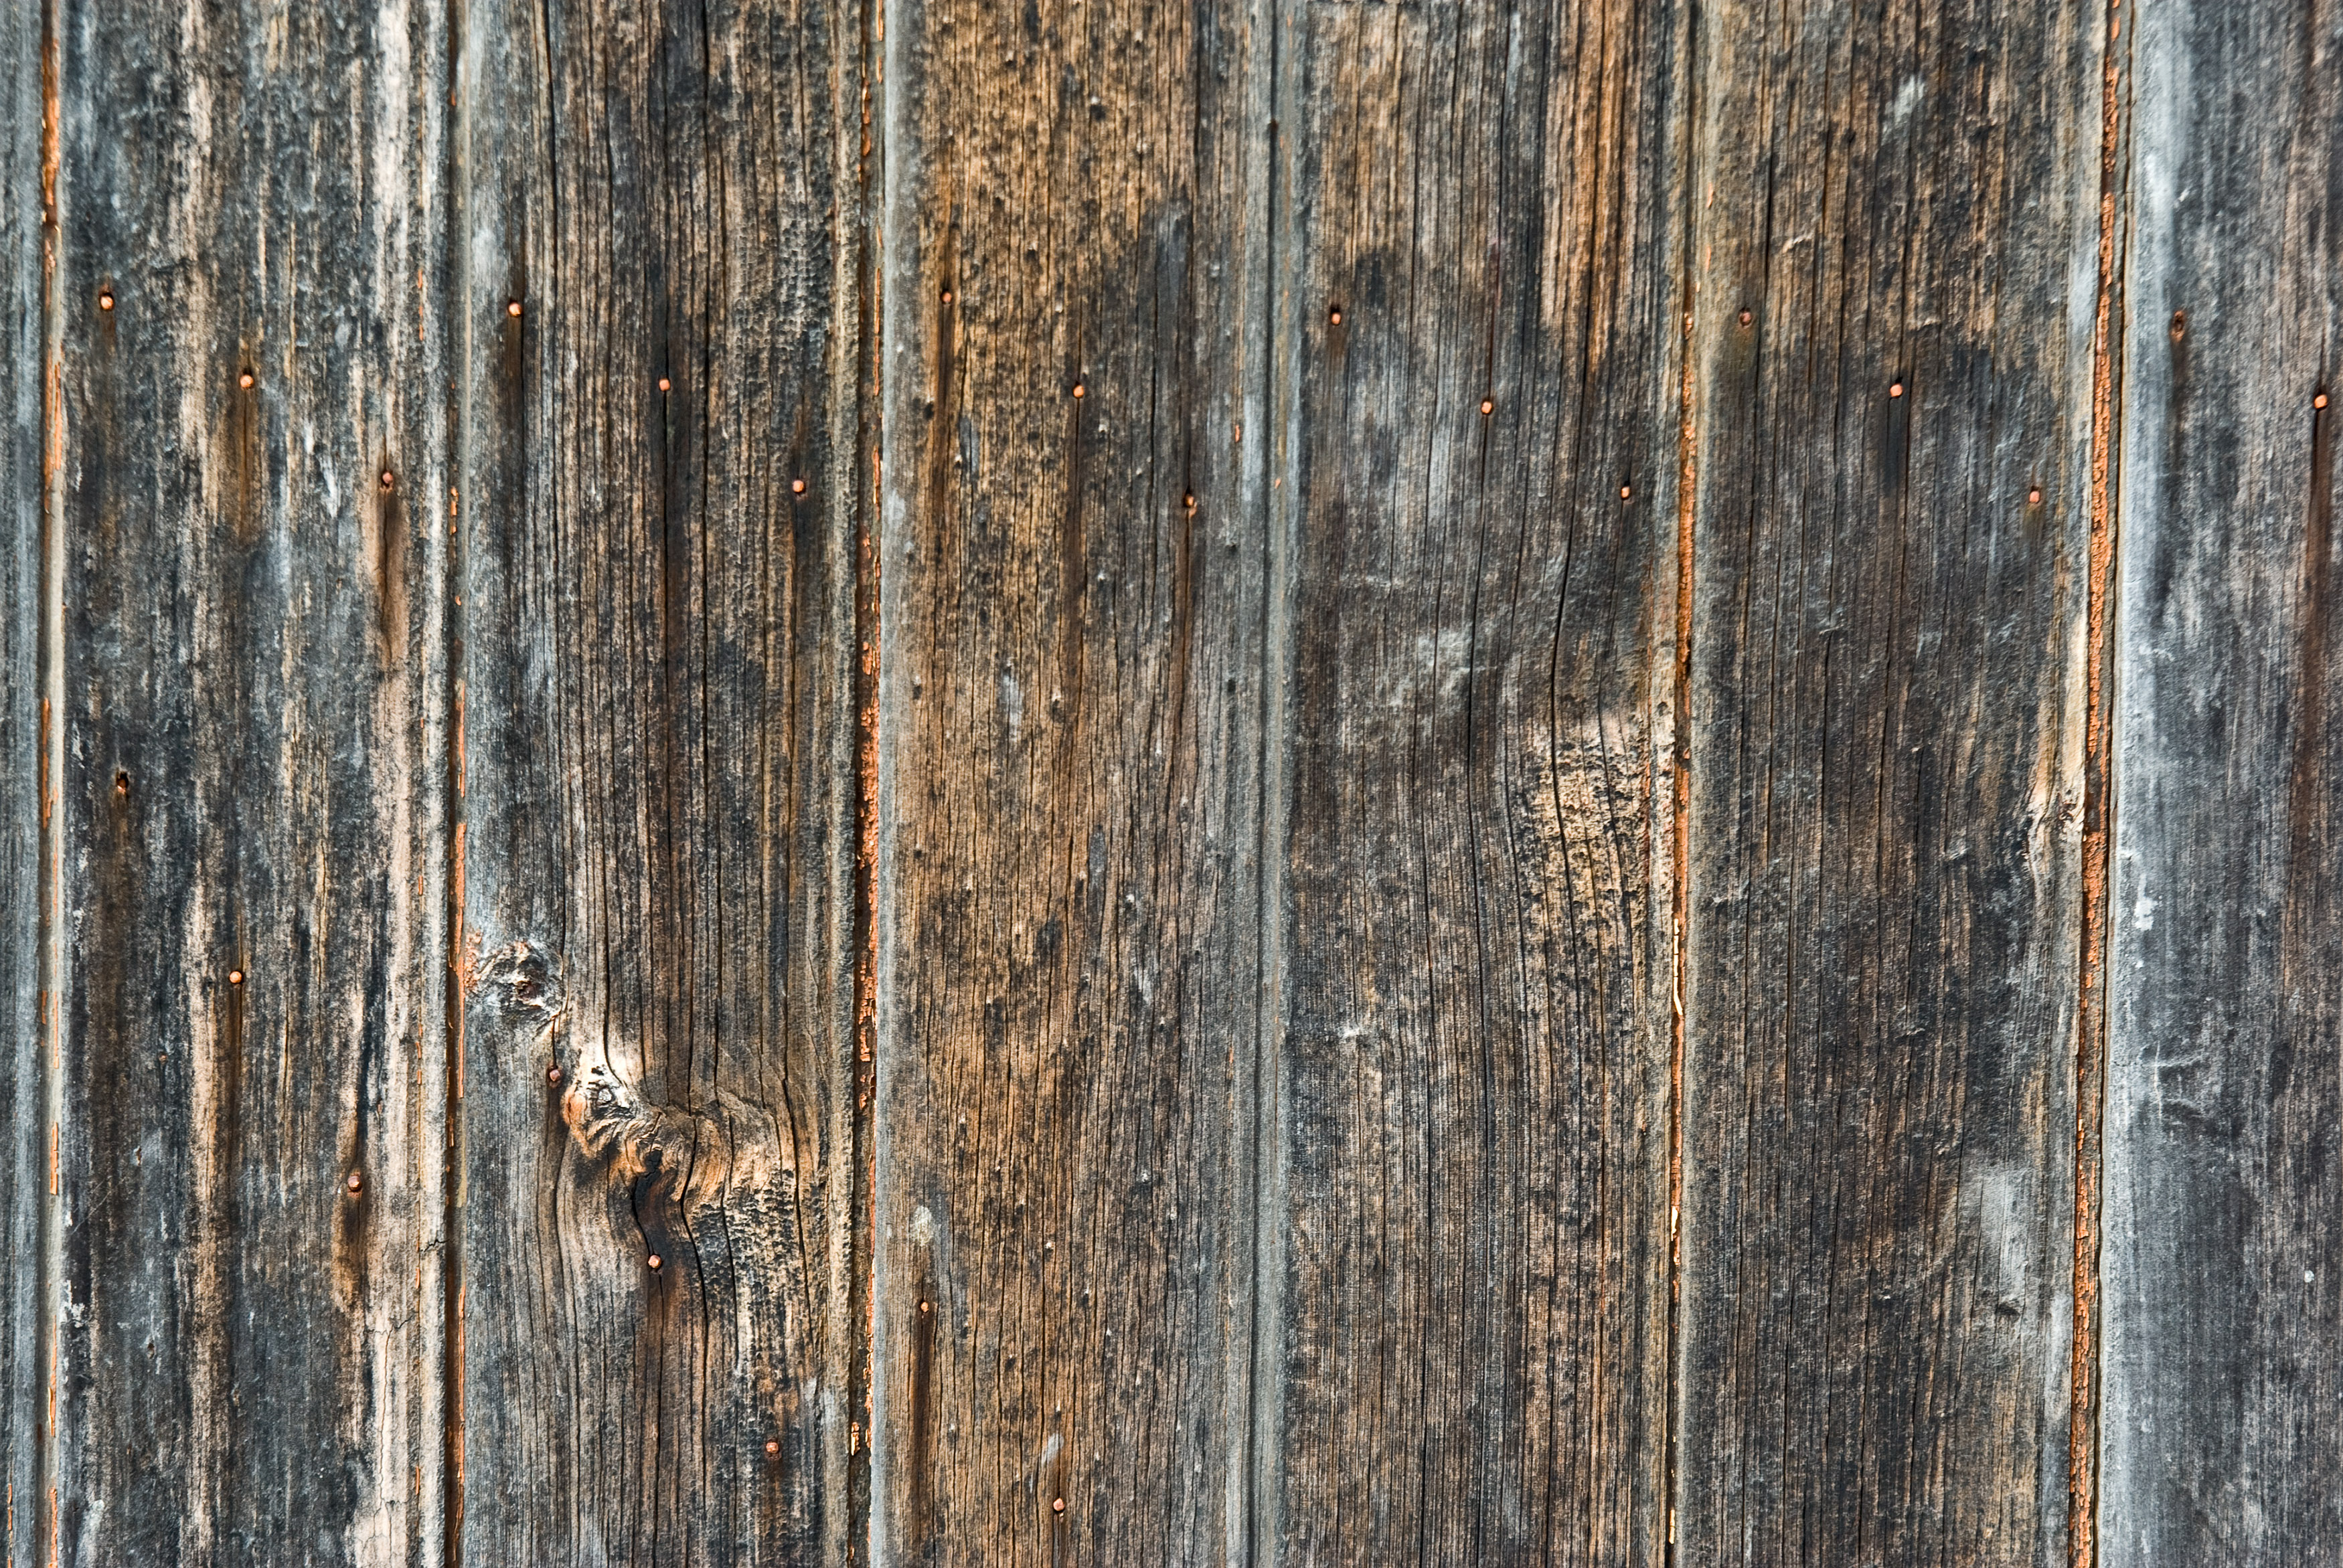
(254, 710)
(2222, 1422)
(1068, 786)
(658, 1347)
(1465, 1336)
(27, 883)
(1895, 237)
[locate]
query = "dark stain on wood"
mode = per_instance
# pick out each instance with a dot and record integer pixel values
(390, 565)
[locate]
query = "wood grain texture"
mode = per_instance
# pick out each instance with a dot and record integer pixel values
(2222, 1425)
(255, 718)
(27, 883)
(1069, 781)
(1895, 228)
(1469, 1316)
(658, 837)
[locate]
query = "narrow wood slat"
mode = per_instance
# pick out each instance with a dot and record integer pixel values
(255, 721)
(2222, 1422)
(1069, 781)
(1468, 1310)
(1888, 700)
(658, 831)
(27, 882)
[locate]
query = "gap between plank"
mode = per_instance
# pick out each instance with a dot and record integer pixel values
(2098, 813)
(51, 1286)
(1280, 397)
(1679, 794)
(460, 295)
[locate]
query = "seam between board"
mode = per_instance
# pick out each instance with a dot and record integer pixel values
(1680, 792)
(868, 657)
(2098, 813)
(51, 1286)
(868, 664)
(1281, 410)
(461, 285)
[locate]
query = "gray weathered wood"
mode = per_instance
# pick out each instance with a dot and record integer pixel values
(2222, 1421)
(1467, 1319)
(1895, 236)
(658, 824)
(1069, 781)
(254, 710)
(26, 884)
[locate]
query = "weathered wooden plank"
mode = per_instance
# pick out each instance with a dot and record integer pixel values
(2222, 1419)
(1896, 228)
(661, 494)
(253, 707)
(1469, 1311)
(1070, 779)
(26, 867)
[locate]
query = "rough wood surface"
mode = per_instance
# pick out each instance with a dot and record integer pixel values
(1465, 625)
(1895, 232)
(1470, 1311)
(26, 884)
(659, 1344)
(2223, 1410)
(253, 685)
(1069, 781)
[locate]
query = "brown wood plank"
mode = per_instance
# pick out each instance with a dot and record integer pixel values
(1467, 1305)
(27, 883)
(1896, 231)
(254, 709)
(2222, 1421)
(659, 830)
(1070, 780)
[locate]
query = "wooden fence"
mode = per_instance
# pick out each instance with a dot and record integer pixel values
(1301, 783)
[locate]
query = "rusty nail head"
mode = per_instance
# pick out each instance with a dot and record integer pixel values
(1057, 1505)
(236, 977)
(1189, 500)
(1488, 404)
(1335, 315)
(924, 1306)
(355, 1182)
(386, 480)
(1896, 388)
(2034, 498)
(948, 296)
(797, 487)
(106, 300)
(772, 1446)
(512, 307)
(245, 379)
(121, 783)
(1078, 389)
(655, 1260)
(2319, 401)
(1625, 492)
(663, 384)
(553, 1074)
(1745, 318)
